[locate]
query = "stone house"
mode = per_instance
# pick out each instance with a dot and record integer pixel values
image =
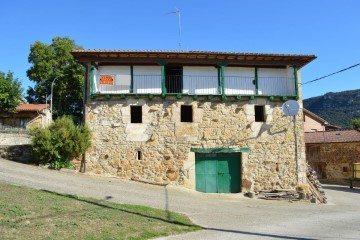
(209, 121)
(332, 153)
(25, 116)
(314, 123)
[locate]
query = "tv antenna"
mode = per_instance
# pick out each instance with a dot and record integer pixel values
(178, 14)
(290, 108)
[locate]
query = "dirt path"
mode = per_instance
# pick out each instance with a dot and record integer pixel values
(223, 216)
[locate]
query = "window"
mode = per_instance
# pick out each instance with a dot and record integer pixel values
(136, 114)
(186, 113)
(107, 79)
(139, 155)
(259, 114)
(23, 123)
(345, 169)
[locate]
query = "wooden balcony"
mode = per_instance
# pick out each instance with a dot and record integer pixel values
(194, 85)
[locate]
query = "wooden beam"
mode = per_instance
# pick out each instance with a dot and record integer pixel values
(203, 62)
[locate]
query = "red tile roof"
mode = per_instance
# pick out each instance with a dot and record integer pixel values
(333, 136)
(31, 107)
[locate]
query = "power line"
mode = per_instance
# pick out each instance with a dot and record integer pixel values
(342, 70)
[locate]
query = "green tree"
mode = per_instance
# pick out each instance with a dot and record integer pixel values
(58, 143)
(54, 62)
(10, 92)
(356, 123)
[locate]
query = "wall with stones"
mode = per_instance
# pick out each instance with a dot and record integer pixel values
(16, 147)
(165, 142)
(330, 159)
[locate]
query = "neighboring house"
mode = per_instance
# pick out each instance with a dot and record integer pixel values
(26, 115)
(332, 153)
(210, 121)
(314, 123)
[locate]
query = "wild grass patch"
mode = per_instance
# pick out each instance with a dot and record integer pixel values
(38, 214)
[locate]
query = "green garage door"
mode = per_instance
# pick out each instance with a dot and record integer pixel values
(217, 172)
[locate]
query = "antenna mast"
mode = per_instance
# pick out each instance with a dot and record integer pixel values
(178, 13)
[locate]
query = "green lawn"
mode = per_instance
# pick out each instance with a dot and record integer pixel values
(38, 214)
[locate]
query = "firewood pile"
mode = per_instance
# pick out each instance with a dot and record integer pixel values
(282, 194)
(316, 189)
(315, 194)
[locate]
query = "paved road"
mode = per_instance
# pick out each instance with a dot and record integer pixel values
(224, 216)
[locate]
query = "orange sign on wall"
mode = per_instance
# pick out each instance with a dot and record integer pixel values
(107, 79)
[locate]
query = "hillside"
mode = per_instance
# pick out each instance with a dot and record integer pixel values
(338, 108)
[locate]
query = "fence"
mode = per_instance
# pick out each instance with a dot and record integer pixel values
(201, 85)
(10, 129)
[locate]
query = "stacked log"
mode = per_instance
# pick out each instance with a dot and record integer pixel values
(316, 189)
(280, 194)
(316, 194)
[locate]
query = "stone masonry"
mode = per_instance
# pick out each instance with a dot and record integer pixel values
(335, 159)
(158, 149)
(16, 147)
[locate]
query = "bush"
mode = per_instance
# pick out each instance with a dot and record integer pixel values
(60, 142)
(356, 123)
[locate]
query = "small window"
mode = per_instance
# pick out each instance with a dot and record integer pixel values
(259, 114)
(345, 169)
(107, 79)
(186, 113)
(139, 155)
(136, 114)
(23, 123)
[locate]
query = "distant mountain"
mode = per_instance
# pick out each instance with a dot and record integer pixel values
(337, 108)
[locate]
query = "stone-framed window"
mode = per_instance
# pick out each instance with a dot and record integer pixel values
(345, 169)
(136, 114)
(186, 113)
(259, 113)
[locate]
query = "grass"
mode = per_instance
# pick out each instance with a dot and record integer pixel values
(38, 214)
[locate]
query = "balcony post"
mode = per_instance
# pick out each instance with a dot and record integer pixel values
(296, 82)
(222, 79)
(163, 86)
(256, 81)
(131, 79)
(92, 79)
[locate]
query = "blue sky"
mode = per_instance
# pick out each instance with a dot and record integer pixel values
(328, 29)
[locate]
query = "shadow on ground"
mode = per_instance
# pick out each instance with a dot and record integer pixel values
(103, 205)
(341, 188)
(270, 235)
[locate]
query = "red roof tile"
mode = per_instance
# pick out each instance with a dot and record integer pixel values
(333, 136)
(31, 107)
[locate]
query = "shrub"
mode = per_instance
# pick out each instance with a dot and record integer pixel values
(356, 123)
(58, 143)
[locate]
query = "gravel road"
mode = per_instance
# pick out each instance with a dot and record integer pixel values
(224, 216)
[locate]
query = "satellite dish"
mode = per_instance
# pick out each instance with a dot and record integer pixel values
(290, 108)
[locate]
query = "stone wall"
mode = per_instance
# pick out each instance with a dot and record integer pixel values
(16, 147)
(164, 142)
(333, 161)
(33, 119)
(19, 153)
(14, 139)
